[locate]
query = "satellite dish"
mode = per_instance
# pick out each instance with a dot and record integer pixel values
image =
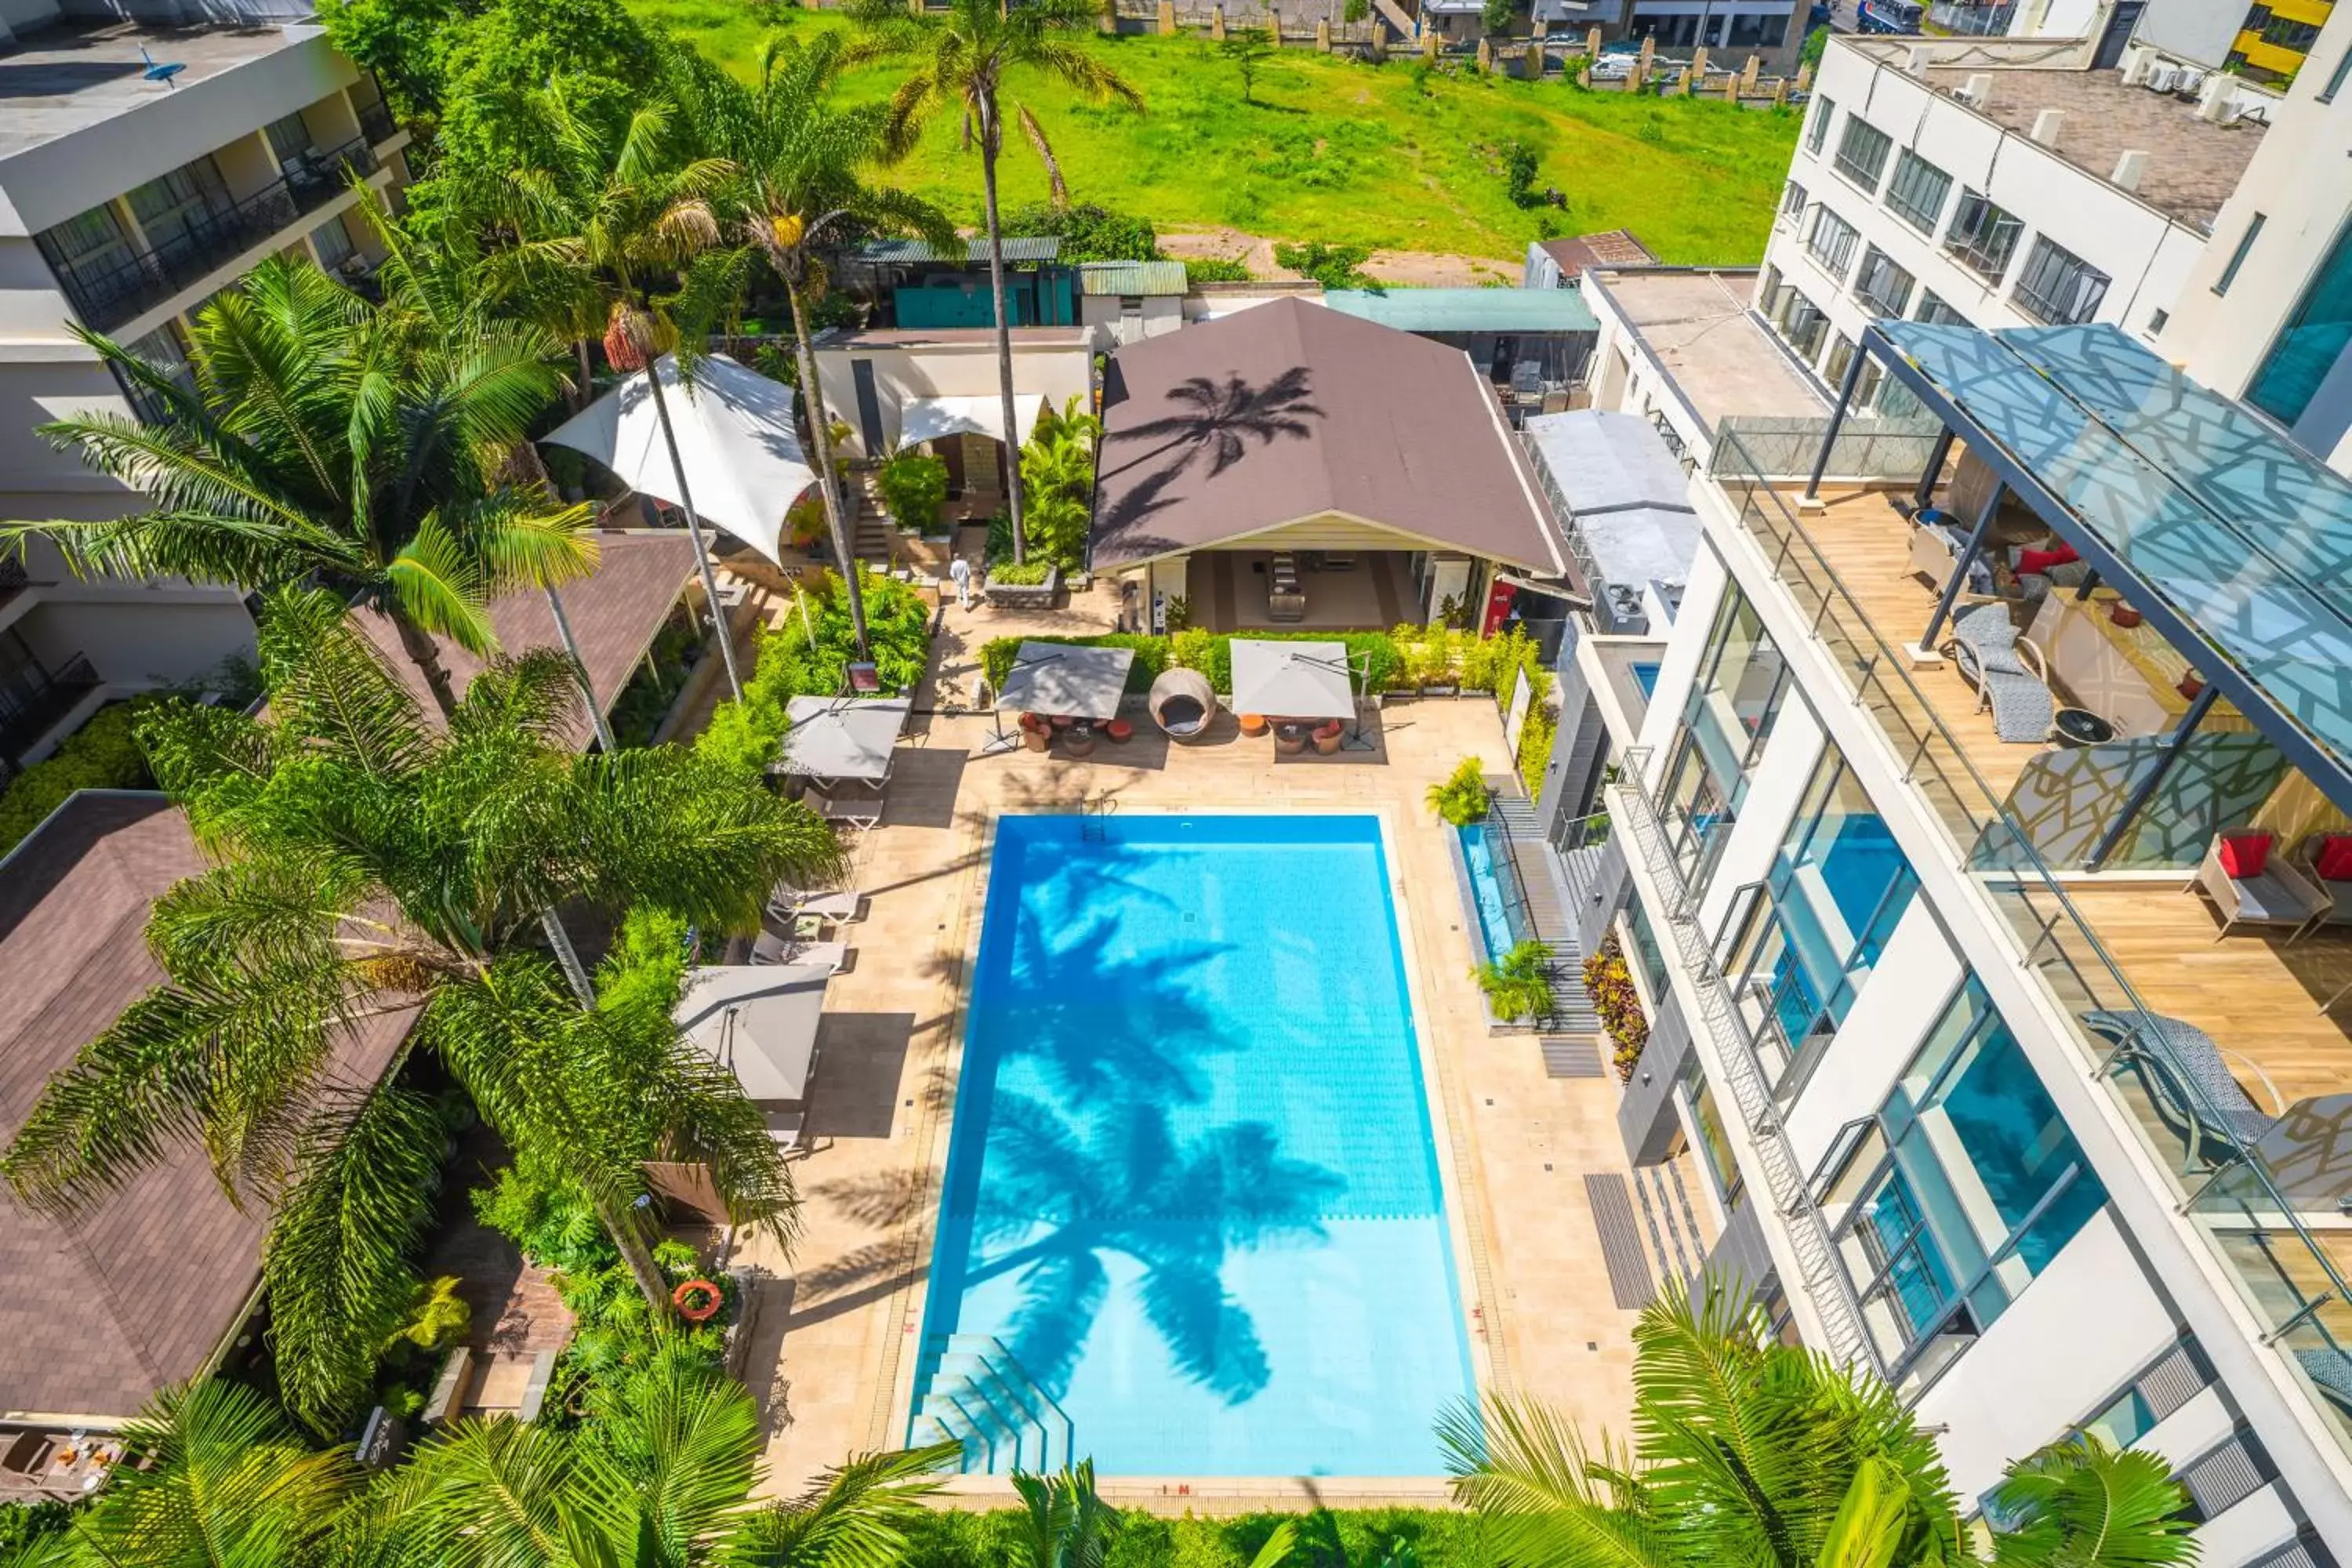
(161, 71)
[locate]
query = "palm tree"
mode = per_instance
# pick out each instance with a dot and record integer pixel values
(801, 160)
(661, 1478)
(1747, 1450)
(1518, 984)
(1064, 1523)
(367, 865)
(966, 52)
(226, 1483)
(617, 208)
(327, 436)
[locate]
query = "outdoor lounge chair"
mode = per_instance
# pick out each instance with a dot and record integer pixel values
(2187, 1077)
(2330, 1370)
(787, 903)
(2309, 855)
(856, 809)
(2279, 895)
(770, 948)
(2010, 674)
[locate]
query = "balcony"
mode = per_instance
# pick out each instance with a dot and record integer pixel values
(106, 294)
(376, 124)
(2129, 944)
(33, 700)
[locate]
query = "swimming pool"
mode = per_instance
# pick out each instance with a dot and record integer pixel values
(1502, 918)
(1193, 1223)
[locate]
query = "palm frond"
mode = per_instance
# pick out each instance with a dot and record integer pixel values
(857, 1515)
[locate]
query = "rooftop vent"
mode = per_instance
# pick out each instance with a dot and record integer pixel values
(1975, 91)
(2129, 168)
(2046, 125)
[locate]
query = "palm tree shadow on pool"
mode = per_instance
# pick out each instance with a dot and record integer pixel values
(1128, 1184)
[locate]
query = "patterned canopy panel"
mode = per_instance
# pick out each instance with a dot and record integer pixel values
(2220, 517)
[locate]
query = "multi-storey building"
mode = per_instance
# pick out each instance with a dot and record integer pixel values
(1987, 1105)
(1999, 182)
(141, 171)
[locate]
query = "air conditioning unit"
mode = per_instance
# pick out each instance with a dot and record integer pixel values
(2190, 80)
(2162, 78)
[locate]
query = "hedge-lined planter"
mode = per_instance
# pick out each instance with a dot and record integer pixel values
(1023, 596)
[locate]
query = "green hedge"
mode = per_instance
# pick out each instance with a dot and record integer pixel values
(1328, 1539)
(102, 754)
(1406, 658)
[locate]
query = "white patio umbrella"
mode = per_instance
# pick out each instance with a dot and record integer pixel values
(736, 440)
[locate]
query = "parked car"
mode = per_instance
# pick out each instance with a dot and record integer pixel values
(1614, 68)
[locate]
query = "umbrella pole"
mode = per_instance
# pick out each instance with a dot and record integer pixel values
(1356, 740)
(694, 527)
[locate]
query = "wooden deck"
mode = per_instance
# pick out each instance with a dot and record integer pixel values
(1868, 544)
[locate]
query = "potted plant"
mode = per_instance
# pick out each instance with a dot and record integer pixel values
(1327, 737)
(913, 486)
(1022, 585)
(1036, 734)
(2192, 684)
(1461, 799)
(1518, 986)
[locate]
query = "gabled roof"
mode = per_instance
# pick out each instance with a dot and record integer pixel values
(615, 614)
(1287, 411)
(102, 1310)
(1131, 278)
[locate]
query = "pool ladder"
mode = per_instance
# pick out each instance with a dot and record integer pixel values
(1093, 818)
(978, 1396)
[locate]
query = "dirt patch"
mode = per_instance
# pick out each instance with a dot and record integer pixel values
(1419, 268)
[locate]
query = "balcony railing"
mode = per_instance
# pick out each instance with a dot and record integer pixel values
(2237, 1208)
(105, 295)
(32, 701)
(376, 124)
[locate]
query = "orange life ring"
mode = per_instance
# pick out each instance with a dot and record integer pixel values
(696, 1300)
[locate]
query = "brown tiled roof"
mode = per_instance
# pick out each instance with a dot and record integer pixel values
(1291, 409)
(1610, 247)
(614, 615)
(99, 1311)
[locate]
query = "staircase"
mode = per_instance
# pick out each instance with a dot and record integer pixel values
(1572, 1011)
(979, 1397)
(871, 532)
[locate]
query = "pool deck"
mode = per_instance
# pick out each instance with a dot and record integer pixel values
(835, 1329)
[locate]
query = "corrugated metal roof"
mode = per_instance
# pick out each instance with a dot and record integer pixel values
(1469, 309)
(1017, 248)
(1130, 276)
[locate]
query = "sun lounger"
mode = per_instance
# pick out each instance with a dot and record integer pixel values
(785, 903)
(2188, 1077)
(2008, 672)
(854, 809)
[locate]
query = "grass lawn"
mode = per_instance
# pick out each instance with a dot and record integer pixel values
(1333, 150)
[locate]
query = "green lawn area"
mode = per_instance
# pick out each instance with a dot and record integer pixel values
(1348, 152)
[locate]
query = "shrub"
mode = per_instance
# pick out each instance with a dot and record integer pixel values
(1194, 648)
(1088, 231)
(792, 663)
(1495, 15)
(1333, 265)
(1215, 269)
(913, 486)
(1328, 1538)
(1518, 984)
(1536, 737)
(102, 754)
(437, 1317)
(1021, 574)
(1519, 165)
(1461, 798)
(1611, 985)
(1211, 653)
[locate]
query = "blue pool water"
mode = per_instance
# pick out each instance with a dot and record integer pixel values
(1491, 882)
(1192, 1194)
(1645, 676)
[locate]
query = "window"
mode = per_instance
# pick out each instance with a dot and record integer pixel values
(1966, 1188)
(1817, 925)
(1802, 324)
(1862, 152)
(1841, 357)
(86, 248)
(1882, 287)
(176, 211)
(1728, 718)
(2335, 78)
(2285, 33)
(1648, 956)
(332, 241)
(1792, 200)
(2058, 286)
(1935, 312)
(2307, 347)
(1817, 134)
(1917, 191)
(166, 350)
(1750, 31)
(1831, 240)
(1897, 401)
(2238, 254)
(1714, 1144)
(289, 143)
(2158, 321)
(1983, 237)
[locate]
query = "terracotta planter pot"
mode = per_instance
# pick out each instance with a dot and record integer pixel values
(1036, 740)
(1253, 723)
(1326, 745)
(1118, 731)
(2123, 615)
(2192, 684)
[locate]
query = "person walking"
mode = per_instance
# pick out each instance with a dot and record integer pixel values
(959, 573)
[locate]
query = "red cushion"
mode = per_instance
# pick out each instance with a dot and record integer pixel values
(2335, 861)
(2030, 561)
(2243, 855)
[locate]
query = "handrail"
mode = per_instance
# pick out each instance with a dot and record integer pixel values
(2024, 861)
(1824, 1281)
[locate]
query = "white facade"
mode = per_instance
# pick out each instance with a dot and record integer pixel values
(1868, 230)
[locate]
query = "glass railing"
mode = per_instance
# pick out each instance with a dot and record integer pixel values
(2225, 1184)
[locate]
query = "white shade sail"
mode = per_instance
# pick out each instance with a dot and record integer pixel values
(928, 418)
(760, 1021)
(735, 438)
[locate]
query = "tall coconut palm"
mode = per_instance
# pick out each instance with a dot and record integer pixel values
(617, 209)
(328, 436)
(368, 863)
(964, 55)
(802, 161)
(661, 1478)
(1750, 1451)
